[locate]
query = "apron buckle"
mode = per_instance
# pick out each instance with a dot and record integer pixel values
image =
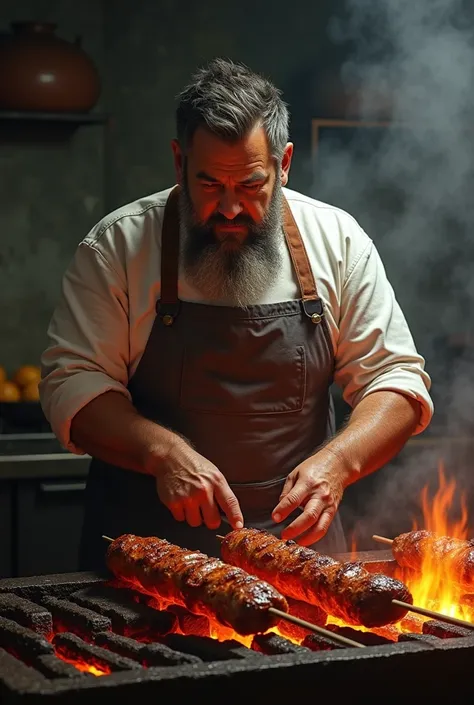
(167, 312)
(314, 310)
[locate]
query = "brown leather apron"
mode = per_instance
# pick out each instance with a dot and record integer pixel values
(248, 387)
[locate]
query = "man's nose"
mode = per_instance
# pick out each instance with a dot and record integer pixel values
(229, 204)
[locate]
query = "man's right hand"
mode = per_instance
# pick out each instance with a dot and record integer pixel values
(193, 489)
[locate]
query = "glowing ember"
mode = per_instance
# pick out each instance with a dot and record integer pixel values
(79, 663)
(85, 667)
(219, 631)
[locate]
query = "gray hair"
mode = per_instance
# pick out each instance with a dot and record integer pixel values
(229, 100)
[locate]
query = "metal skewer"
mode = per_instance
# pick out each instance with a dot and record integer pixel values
(336, 638)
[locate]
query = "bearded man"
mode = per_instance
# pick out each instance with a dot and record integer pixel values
(199, 332)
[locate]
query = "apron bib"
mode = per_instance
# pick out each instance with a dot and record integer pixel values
(249, 388)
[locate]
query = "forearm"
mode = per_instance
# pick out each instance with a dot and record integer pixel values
(378, 429)
(111, 429)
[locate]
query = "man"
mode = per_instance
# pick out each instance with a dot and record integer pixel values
(199, 331)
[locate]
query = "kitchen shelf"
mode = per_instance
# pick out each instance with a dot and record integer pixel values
(42, 127)
(29, 117)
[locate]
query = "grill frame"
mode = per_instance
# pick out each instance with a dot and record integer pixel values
(434, 670)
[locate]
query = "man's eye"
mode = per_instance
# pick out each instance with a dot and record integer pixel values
(210, 187)
(253, 188)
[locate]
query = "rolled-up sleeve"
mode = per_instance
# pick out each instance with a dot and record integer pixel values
(88, 350)
(375, 349)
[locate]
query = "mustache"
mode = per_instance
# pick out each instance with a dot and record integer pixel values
(239, 220)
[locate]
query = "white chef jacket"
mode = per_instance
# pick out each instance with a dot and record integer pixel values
(102, 322)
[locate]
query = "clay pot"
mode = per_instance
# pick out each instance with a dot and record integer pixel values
(41, 72)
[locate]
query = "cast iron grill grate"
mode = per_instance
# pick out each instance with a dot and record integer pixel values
(70, 638)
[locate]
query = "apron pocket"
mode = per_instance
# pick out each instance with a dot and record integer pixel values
(244, 383)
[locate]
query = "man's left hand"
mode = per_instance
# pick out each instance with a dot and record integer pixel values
(317, 486)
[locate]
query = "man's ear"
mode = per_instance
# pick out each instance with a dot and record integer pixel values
(286, 163)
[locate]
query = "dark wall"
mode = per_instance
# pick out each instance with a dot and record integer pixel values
(152, 51)
(50, 195)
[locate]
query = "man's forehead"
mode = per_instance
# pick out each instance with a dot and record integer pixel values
(209, 153)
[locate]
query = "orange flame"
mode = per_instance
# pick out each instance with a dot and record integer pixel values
(435, 587)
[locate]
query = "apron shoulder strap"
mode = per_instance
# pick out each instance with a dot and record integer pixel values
(309, 294)
(167, 306)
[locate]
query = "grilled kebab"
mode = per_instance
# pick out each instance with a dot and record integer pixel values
(344, 590)
(204, 585)
(456, 556)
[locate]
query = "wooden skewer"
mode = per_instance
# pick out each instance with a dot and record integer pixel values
(326, 633)
(337, 638)
(420, 610)
(434, 615)
(382, 539)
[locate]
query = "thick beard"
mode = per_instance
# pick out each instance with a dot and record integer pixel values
(233, 277)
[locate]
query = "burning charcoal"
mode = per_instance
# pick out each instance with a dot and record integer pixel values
(316, 642)
(27, 613)
(412, 623)
(303, 610)
(443, 630)
(366, 638)
(427, 639)
(22, 642)
(72, 618)
(292, 631)
(128, 617)
(53, 667)
(16, 676)
(206, 648)
(73, 648)
(389, 631)
(272, 644)
(190, 623)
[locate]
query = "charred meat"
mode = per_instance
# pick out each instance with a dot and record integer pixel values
(410, 550)
(204, 585)
(344, 590)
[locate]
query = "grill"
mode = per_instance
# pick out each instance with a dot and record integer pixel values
(72, 637)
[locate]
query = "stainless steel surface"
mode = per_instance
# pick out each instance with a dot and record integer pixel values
(17, 444)
(38, 455)
(44, 466)
(26, 436)
(55, 487)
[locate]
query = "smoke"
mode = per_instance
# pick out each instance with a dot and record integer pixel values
(410, 185)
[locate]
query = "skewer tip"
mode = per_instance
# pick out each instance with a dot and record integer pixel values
(221, 538)
(107, 538)
(382, 539)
